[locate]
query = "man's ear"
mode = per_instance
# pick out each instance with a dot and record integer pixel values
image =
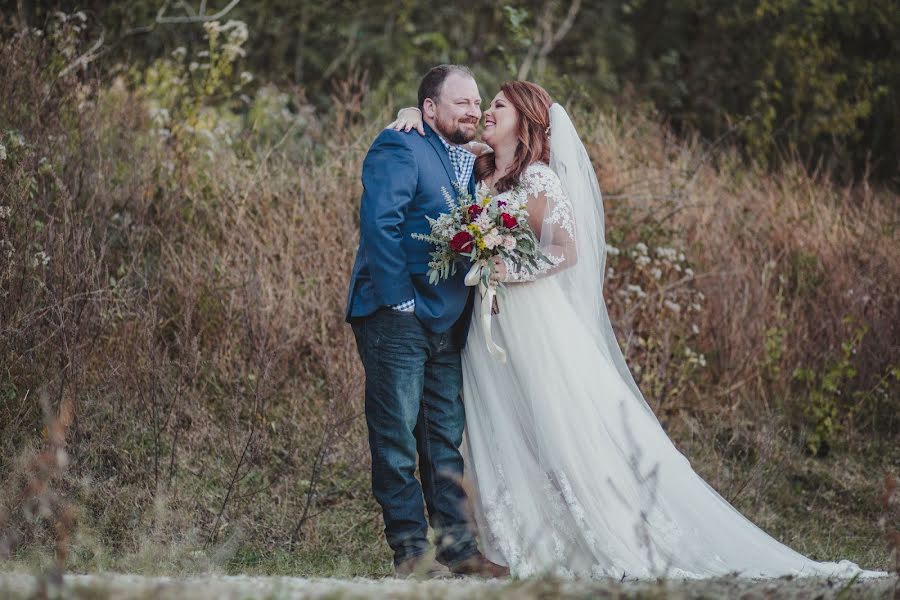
(428, 108)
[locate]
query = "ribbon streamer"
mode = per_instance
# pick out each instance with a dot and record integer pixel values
(488, 292)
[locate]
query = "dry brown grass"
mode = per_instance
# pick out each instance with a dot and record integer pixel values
(191, 311)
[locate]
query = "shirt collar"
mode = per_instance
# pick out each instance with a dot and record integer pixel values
(447, 144)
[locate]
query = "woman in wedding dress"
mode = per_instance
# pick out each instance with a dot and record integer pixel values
(572, 472)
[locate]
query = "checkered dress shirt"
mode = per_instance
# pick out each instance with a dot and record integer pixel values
(463, 162)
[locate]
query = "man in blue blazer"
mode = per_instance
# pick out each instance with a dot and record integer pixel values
(409, 333)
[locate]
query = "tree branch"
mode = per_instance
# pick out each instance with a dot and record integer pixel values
(547, 39)
(86, 58)
(200, 17)
(552, 39)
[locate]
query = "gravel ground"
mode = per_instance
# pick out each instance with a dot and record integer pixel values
(16, 586)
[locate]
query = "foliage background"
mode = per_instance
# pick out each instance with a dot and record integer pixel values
(178, 390)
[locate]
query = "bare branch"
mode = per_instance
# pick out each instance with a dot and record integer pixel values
(525, 67)
(567, 23)
(547, 38)
(189, 9)
(86, 58)
(201, 17)
(552, 39)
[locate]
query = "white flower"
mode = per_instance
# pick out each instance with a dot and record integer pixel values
(636, 290)
(40, 258)
(159, 116)
(694, 328)
(509, 242)
(689, 272)
(212, 29)
(695, 307)
(80, 14)
(642, 260)
(2, 152)
(675, 308)
(612, 250)
(610, 273)
(179, 53)
(681, 256)
(694, 358)
(232, 51)
(656, 272)
(667, 253)
(193, 66)
(484, 221)
(238, 31)
(246, 77)
(5, 211)
(641, 247)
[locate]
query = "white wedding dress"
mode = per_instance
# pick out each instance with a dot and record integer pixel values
(572, 472)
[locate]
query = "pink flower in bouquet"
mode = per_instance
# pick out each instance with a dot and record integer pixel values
(509, 221)
(509, 242)
(493, 239)
(461, 242)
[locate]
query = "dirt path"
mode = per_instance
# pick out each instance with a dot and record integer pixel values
(95, 587)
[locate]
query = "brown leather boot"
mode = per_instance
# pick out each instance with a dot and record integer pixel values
(420, 567)
(478, 566)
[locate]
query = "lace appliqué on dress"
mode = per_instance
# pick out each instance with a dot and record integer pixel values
(539, 179)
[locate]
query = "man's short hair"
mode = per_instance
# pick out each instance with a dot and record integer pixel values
(431, 84)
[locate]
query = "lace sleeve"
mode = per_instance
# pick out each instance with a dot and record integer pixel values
(550, 216)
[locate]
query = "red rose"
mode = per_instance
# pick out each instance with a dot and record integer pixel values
(509, 221)
(461, 242)
(474, 211)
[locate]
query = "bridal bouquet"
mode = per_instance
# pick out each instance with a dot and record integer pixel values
(478, 230)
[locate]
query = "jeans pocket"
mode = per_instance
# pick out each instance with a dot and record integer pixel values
(394, 330)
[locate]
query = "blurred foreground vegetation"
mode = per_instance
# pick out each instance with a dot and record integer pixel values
(178, 390)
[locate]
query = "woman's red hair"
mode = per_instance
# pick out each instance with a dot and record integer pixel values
(532, 102)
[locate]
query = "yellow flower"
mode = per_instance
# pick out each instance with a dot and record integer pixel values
(475, 229)
(486, 201)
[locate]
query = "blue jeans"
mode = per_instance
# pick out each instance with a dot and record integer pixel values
(413, 406)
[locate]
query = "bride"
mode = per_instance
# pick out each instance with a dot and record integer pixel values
(573, 473)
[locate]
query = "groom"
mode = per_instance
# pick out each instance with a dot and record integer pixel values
(409, 333)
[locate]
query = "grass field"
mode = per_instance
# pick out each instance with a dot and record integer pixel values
(179, 393)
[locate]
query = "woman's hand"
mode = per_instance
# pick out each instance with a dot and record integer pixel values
(408, 118)
(498, 270)
(477, 148)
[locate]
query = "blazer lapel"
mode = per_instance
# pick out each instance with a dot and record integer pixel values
(438, 146)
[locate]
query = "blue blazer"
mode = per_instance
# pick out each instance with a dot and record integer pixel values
(402, 177)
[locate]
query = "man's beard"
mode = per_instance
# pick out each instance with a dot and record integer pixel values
(453, 133)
